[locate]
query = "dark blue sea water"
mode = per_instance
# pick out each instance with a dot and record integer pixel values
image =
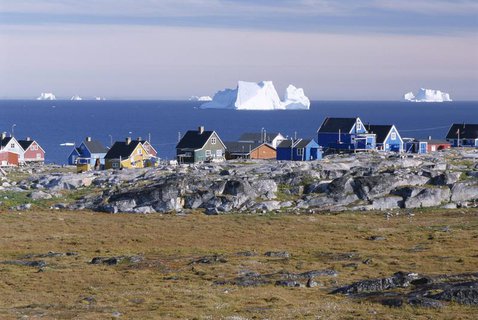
(55, 122)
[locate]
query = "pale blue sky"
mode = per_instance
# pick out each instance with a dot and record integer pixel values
(347, 49)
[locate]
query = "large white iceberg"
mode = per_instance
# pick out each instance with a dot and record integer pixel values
(258, 96)
(427, 95)
(46, 96)
(201, 98)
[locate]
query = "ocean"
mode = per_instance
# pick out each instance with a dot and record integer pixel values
(52, 123)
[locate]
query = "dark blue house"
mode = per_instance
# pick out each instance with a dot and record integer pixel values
(89, 152)
(341, 134)
(299, 150)
(463, 135)
(387, 137)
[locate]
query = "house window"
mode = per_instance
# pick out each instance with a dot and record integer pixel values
(140, 152)
(12, 145)
(300, 151)
(188, 154)
(218, 153)
(359, 126)
(208, 153)
(393, 136)
(115, 165)
(213, 140)
(38, 156)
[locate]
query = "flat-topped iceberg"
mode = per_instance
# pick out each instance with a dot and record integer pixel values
(427, 95)
(46, 96)
(258, 96)
(201, 98)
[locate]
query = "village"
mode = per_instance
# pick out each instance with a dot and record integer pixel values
(334, 136)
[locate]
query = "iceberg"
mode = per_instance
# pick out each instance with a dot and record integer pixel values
(427, 95)
(258, 96)
(201, 98)
(46, 96)
(99, 98)
(76, 98)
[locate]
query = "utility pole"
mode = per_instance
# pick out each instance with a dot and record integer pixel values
(179, 136)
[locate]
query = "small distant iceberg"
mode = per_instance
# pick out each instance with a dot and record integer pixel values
(76, 98)
(67, 144)
(427, 95)
(201, 98)
(99, 98)
(46, 96)
(258, 96)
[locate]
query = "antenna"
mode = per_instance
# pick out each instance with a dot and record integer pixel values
(179, 136)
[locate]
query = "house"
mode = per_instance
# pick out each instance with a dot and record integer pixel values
(249, 150)
(10, 144)
(345, 134)
(199, 146)
(463, 135)
(9, 158)
(271, 138)
(91, 152)
(127, 154)
(149, 148)
(32, 151)
(387, 137)
(437, 145)
(412, 145)
(299, 150)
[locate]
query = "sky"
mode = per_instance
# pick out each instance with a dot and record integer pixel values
(170, 49)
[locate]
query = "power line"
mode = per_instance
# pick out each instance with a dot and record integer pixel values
(425, 129)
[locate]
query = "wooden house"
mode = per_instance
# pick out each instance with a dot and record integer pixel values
(345, 134)
(412, 145)
(271, 138)
(9, 158)
(149, 148)
(387, 137)
(32, 151)
(127, 154)
(249, 150)
(463, 135)
(91, 152)
(10, 144)
(437, 145)
(299, 150)
(200, 146)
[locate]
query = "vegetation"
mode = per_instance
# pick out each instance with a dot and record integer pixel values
(166, 285)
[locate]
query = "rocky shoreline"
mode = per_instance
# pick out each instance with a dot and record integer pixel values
(366, 181)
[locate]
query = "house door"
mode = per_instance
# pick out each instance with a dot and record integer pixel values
(313, 154)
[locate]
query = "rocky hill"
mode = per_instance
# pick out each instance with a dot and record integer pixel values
(371, 181)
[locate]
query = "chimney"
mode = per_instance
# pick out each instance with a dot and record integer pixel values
(28, 139)
(4, 135)
(139, 139)
(128, 141)
(88, 139)
(429, 137)
(201, 129)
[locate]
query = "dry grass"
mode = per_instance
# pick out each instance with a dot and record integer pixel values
(166, 286)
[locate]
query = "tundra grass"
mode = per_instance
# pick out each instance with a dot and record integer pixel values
(167, 286)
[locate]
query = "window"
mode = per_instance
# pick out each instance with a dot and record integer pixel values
(218, 153)
(300, 151)
(188, 154)
(359, 126)
(38, 156)
(208, 153)
(140, 151)
(12, 145)
(213, 140)
(393, 136)
(115, 165)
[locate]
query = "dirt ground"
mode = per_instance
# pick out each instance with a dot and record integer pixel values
(167, 284)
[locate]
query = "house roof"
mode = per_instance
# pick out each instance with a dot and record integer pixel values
(193, 139)
(95, 146)
(5, 141)
(301, 143)
(336, 124)
(436, 141)
(122, 150)
(144, 142)
(467, 131)
(257, 136)
(243, 147)
(381, 130)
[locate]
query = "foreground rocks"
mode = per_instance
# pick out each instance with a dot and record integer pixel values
(339, 182)
(421, 290)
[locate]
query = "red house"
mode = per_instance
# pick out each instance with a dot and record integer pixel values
(32, 151)
(8, 158)
(437, 145)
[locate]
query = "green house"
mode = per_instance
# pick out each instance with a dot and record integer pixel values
(200, 146)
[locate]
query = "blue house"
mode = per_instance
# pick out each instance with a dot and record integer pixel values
(411, 145)
(299, 150)
(387, 137)
(88, 152)
(463, 135)
(336, 134)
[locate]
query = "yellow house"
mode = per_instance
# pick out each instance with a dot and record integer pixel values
(127, 154)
